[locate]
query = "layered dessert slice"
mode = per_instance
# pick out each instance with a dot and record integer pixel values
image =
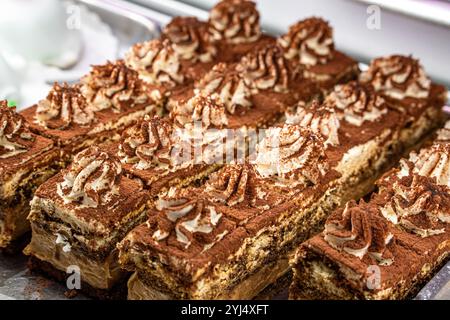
(309, 45)
(403, 83)
(388, 248)
(357, 119)
(182, 148)
(77, 218)
(232, 237)
(26, 160)
(106, 101)
(361, 135)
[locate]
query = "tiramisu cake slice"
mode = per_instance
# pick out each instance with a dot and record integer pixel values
(361, 135)
(365, 131)
(106, 101)
(26, 160)
(182, 148)
(309, 45)
(403, 83)
(231, 238)
(77, 218)
(388, 248)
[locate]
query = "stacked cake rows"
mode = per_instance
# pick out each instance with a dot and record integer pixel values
(207, 156)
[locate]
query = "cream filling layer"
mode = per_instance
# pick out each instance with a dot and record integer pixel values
(98, 274)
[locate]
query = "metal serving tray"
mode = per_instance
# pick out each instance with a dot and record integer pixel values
(132, 23)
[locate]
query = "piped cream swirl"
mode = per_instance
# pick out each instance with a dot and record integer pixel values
(398, 77)
(91, 180)
(235, 21)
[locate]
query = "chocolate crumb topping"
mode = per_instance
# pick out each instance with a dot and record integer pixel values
(156, 62)
(113, 86)
(15, 136)
(227, 85)
(235, 21)
(356, 103)
(360, 230)
(147, 143)
(265, 69)
(309, 41)
(320, 119)
(234, 184)
(186, 223)
(190, 39)
(91, 180)
(64, 106)
(398, 77)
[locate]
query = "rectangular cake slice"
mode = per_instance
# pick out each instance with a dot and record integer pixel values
(78, 216)
(26, 160)
(388, 248)
(106, 101)
(182, 148)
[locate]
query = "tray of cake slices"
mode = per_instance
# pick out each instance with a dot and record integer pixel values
(218, 162)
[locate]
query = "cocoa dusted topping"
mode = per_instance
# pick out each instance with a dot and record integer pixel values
(320, 119)
(356, 103)
(433, 162)
(444, 133)
(190, 39)
(265, 69)
(309, 41)
(228, 85)
(292, 154)
(398, 77)
(113, 86)
(147, 144)
(418, 205)
(91, 180)
(233, 185)
(201, 108)
(15, 136)
(192, 223)
(360, 230)
(63, 107)
(156, 62)
(235, 21)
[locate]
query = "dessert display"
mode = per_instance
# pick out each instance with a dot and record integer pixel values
(97, 109)
(26, 160)
(356, 138)
(387, 248)
(218, 162)
(78, 216)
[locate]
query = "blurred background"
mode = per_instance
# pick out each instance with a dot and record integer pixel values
(42, 41)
